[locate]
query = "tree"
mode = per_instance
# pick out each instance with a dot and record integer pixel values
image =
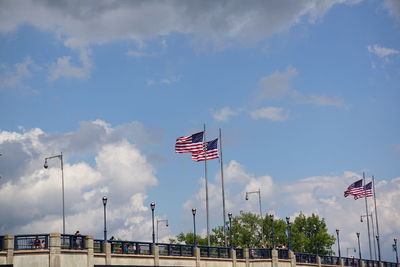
(189, 239)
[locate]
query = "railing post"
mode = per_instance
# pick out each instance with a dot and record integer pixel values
(156, 255)
(292, 258)
(233, 256)
(9, 247)
(107, 251)
(246, 255)
(89, 247)
(361, 263)
(275, 260)
(318, 260)
(196, 251)
(341, 262)
(55, 249)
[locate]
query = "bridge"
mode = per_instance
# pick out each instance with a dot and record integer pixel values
(57, 250)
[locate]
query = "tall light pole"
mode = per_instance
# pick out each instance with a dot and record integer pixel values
(194, 227)
(105, 218)
(289, 226)
(166, 224)
(62, 181)
(338, 242)
(359, 247)
(153, 205)
(379, 249)
(259, 202)
(271, 216)
(230, 229)
(395, 249)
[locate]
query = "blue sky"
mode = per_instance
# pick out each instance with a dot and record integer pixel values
(305, 93)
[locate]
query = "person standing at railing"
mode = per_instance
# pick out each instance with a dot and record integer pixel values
(77, 239)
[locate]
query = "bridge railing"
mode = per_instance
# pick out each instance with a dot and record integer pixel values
(283, 254)
(129, 247)
(331, 260)
(260, 253)
(239, 253)
(98, 245)
(214, 252)
(73, 242)
(2, 247)
(350, 262)
(371, 263)
(306, 257)
(389, 264)
(31, 242)
(176, 250)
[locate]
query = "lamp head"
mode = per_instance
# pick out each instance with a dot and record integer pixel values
(358, 234)
(395, 240)
(361, 219)
(337, 231)
(45, 164)
(166, 223)
(194, 211)
(104, 200)
(287, 219)
(230, 215)
(271, 216)
(152, 205)
(247, 196)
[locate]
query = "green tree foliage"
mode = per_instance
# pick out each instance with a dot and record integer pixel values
(308, 234)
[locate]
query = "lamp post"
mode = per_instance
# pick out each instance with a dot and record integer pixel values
(338, 242)
(359, 247)
(153, 205)
(395, 249)
(105, 218)
(194, 227)
(259, 202)
(271, 216)
(230, 228)
(289, 226)
(379, 249)
(62, 181)
(166, 224)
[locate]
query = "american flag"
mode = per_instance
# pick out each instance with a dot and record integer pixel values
(354, 189)
(211, 152)
(190, 144)
(367, 191)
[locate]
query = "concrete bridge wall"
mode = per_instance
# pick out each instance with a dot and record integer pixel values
(54, 256)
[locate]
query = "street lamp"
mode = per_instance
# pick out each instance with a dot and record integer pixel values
(105, 218)
(230, 228)
(259, 202)
(338, 242)
(289, 226)
(395, 249)
(271, 216)
(194, 226)
(158, 221)
(379, 250)
(359, 247)
(62, 180)
(153, 205)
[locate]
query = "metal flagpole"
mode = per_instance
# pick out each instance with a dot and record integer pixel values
(366, 210)
(376, 220)
(222, 184)
(206, 180)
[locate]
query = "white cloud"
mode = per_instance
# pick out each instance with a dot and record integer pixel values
(382, 51)
(270, 113)
(22, 70)
(276, 85)
(224, 114)
(165, 81)
(318, 100)
(393, 7)
(31, 195)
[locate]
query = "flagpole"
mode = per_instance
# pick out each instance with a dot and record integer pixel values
(366, 210)
(376, 220)
(206, 181)
(222, 185)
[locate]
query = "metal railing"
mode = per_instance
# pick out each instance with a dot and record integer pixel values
(214, 252)
(389, 264)
(260, 253)
(31, 242)
(98, 246)
(331, 260)
(176, 250)
(350, 262)
(283, 254)
(306, 257)
(239, 253)
(73, 242)
(129, 247)
(2, 247)
(371, 263)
